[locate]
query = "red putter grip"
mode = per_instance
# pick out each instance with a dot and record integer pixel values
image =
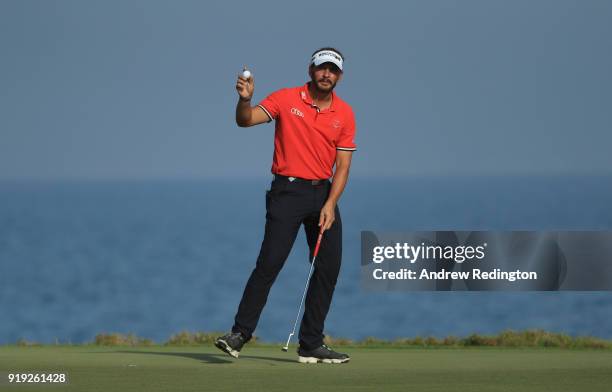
(316, 251)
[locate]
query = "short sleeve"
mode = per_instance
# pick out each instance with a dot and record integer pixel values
(346, 141)
(271, 104)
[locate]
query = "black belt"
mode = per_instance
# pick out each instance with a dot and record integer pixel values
(297, 179)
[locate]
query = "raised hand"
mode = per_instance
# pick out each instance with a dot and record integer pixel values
(245, 86)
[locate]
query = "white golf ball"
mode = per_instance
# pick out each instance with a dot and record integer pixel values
(246, 74)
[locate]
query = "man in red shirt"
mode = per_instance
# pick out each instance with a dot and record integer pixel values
(314, 131)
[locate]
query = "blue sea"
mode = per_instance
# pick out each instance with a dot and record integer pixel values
(153, 258)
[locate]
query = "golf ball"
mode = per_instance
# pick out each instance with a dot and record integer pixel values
(246, 74)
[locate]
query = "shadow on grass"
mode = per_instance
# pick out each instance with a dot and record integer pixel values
(204, 357)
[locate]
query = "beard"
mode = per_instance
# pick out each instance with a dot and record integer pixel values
(324, 85)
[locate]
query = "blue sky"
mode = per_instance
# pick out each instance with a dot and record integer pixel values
(145, 89)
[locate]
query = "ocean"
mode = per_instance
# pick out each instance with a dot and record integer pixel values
(156, 257)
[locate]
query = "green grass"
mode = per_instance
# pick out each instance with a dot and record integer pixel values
(508, 338)
(266, 368)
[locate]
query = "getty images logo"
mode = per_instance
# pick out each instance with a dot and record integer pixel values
(412, 253)
(297, 112)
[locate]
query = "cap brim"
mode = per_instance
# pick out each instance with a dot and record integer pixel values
(336, 63)
(322, 60)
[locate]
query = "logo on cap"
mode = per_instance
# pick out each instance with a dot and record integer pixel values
(327, 56)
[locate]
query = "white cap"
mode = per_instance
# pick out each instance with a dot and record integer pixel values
(327, 56)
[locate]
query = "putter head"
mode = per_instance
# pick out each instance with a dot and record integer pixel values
(286, 347)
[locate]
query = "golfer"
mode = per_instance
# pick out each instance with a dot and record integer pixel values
(314, 131)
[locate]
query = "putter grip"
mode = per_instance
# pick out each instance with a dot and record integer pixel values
(316, 251)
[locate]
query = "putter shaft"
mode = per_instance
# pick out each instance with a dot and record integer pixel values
(314, 257)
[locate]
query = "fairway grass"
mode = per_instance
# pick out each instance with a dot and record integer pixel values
(266, 368)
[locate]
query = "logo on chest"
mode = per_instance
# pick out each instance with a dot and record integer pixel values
(335, 124)
(297, 112)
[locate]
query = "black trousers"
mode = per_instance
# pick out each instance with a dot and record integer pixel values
(288, 206)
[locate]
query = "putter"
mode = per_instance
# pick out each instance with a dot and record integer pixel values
(314, 257)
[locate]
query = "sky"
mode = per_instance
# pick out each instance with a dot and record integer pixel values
(145, 89)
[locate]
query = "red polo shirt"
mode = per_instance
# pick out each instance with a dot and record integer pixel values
(306, 139)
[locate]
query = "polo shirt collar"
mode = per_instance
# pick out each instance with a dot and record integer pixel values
(305, 95)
